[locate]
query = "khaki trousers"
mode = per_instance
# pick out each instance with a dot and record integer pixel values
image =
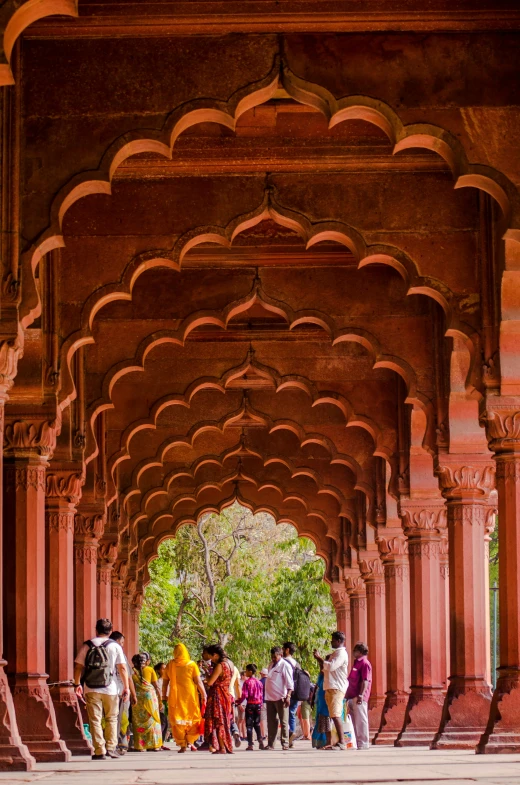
(277, 711)
(98, 704)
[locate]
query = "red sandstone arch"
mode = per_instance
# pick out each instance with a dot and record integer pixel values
(226, 113)
(24, 15)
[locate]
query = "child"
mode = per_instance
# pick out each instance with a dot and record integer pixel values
(253, 693)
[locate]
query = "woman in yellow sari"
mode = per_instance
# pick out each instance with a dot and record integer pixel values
(145, 714)
(182, 675)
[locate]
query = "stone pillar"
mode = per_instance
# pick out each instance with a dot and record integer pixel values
(444, 607)
(490, 528)
(63, 494)
(107, 552)
(422, 519)
(466, 483)
(374, 577)
(28, 444)
(341, 602)
(14, 754)
(394, 554)
(502, 733)
(88, 527)
(358, 609)
(117, 604)
(135, 612)
(128, 629)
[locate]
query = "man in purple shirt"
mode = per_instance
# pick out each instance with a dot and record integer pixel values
(358, 693)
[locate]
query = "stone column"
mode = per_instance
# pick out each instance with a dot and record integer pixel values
(422, 519)
(28, 443)
(374, 577)
(358, 609)
(135, 612)
(444, 607)
(117, 606)
(394, 554)
(466, 483)
(107, 552)
(128, 628)
(341, 602)
(14, 754)
(63, 494)
(88, 527)
(502, 733)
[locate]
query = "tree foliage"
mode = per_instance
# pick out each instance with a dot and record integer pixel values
(241, 580)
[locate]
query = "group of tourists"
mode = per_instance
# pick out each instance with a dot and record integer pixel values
(210, 705)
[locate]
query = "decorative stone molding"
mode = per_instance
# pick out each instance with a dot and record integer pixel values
(117, 590)
(26, 437)
(459, 480)
(85, 554)
(64, 485)
(339, 594)
(60, 521)
(24, 477)
(104, 574)
(355, 585)
(120, 570)
(89, 526)
(424, 549)
(391, 548)
(372, 571)
(503, 428)
(421, 521)
(107, 553)
(10, 352)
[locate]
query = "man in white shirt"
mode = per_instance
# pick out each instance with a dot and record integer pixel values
(104, 698)
(288, 650)
(279, 685)
(335, 681)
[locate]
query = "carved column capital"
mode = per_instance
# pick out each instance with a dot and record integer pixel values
(29, 434)
(11, 350)
(63, 487)
(339, 594)
(373, 574)
(502, 422)
(355, 586)
(89, 526)
(423, 518)
(392, 547)
(465, 477)
(117, 588)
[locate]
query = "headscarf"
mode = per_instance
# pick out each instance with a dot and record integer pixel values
(181, 655)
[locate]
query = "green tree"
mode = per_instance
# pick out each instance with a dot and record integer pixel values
(241, 580)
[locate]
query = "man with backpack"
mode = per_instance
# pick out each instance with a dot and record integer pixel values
(302, 683)
(95, 669)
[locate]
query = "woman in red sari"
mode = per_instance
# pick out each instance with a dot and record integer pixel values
(217, 720)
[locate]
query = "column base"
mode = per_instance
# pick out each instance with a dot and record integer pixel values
(70, 721)
(464, 716)
(502, 734)
(392, 718)
(37, 720)
(375, 712)
(14, 755)
(422, 717)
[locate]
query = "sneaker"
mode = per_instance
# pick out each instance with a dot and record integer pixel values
(113, 754)
(238, 740)
(99, 757)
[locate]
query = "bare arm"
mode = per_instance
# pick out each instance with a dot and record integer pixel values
(77, 676)
(364, 686)
(200, 687)
(217, 670)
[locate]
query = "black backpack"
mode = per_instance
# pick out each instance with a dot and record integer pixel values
(97, 671)
(302, 685)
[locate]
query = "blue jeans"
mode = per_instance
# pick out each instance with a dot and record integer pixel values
(293, 706)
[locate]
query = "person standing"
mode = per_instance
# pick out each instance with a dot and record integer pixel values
(96, 664)
(217, 719)
(263, 712)
(146, 719)
(182, 675)
(279, 685)
(159, 669)
(358, 693)
(123, 720)
(335, 682)
(288, 651)
(253, 694)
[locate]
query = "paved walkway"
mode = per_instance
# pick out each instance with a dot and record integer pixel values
(381, 765)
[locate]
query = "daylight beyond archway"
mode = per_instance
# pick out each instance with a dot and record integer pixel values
(240, 580)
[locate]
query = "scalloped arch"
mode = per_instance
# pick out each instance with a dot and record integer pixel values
(402, 136)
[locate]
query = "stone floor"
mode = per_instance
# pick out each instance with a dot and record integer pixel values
(381, 765)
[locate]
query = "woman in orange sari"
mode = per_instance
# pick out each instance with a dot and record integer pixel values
(184, 713)
(217, 719)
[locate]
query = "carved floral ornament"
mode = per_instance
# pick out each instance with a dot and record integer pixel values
(10, 352)
(372, 570)
(64, 485)
(90, 526)
(391, 548)
(459, 480)
(503, 429)
(339, 594)
(23, 437)
(107, 553)
(422, 522)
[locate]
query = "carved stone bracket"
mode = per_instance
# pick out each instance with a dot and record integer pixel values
(339, 594)
(64, 485)
(34, 435)
(459, 480)
(10, 352)
(89, 526)
(423, 519)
